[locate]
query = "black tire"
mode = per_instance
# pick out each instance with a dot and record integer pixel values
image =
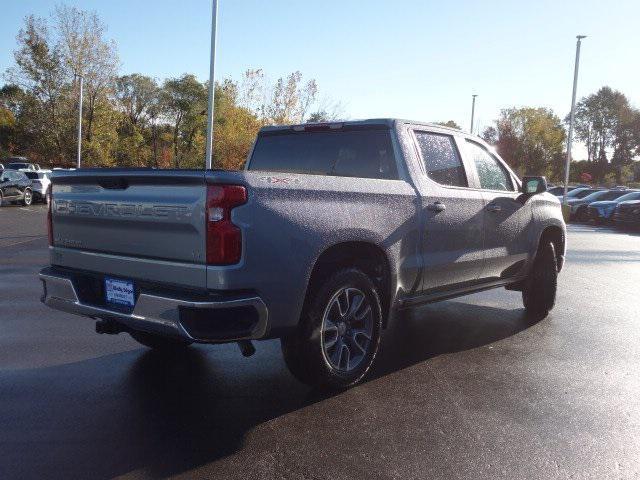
(307, 351)
(27, 197)
(539, 289)
(1, 200)
(46, 198)
(582, 215)
(159, 342)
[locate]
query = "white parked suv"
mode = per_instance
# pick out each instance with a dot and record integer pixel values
(41, 181)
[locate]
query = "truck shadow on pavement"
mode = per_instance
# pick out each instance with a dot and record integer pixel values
(164, 415)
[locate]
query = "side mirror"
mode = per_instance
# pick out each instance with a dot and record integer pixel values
(533, 185)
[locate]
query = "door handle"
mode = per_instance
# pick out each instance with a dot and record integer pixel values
(492, 207)
(437, 207)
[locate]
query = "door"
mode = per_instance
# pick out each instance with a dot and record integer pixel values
(451, 214)
(9, 185)
(507, 215)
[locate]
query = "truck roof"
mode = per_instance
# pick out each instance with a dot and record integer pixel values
(389, 122)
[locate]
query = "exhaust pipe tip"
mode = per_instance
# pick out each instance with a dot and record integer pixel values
(246, 348)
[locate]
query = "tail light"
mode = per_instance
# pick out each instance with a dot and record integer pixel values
(224, 239)
(50, 220)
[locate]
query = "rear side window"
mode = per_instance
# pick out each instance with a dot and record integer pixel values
(441, 159)
(32, 175)
(366, 153)
(492, 175)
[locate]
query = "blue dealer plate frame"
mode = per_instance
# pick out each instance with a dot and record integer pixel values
(119, 292)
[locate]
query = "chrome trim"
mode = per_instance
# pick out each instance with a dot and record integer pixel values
(151, 313)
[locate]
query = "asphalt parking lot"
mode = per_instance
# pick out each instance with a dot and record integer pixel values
(468, 388)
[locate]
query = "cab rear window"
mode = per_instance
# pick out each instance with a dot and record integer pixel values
(365, 153)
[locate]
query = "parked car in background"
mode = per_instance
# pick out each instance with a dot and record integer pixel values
(579, 192)
(602, 210)
(41, 181)
(558, 191)
(627, 214)
(15, 187)
(21, 163)
(579, 205)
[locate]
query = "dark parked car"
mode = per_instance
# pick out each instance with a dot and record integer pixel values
(602, 211)
(15, 187)
(579, 206)
(627, 214)
(20, 163)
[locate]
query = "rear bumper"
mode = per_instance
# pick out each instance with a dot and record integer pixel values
(215, 321)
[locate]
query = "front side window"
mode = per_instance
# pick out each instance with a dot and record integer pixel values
(441, 159)
(492, 175)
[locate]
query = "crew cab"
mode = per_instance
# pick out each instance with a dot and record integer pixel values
(327, 234)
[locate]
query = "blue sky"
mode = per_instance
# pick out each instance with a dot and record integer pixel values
(416, 59)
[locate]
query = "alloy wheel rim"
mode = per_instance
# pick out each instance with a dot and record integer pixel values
(347, 329)
(27, 197)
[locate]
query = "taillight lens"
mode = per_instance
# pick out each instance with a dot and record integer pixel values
(50, 220)
(224, 239)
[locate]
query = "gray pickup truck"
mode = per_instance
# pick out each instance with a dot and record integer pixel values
(328, 233)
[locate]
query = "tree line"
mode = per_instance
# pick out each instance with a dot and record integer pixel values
(135, 121)
(533, 140)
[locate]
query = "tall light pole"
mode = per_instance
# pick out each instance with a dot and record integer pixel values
(571, 119)
(212, 62)
(473, 112)
(80, 120)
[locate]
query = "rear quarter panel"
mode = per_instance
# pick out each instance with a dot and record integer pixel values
(290, 219)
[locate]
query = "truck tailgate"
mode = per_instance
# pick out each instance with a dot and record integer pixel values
(146, 214)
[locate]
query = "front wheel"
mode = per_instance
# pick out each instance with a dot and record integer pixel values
(159, 342)
(539, 290)
(338, 336)
(582, 215)
(27, 198)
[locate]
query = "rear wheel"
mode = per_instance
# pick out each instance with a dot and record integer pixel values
(1, 199)
(159, 342)
(582, 215)
(539, 289)
(338, 336)
(46, 198)
(27, 198)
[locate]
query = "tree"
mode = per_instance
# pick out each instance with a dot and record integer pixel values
(40, 74)
(606, 122)
(529, 139)
(84, 51)
(185, 103)
(137, 95)
(450, 124)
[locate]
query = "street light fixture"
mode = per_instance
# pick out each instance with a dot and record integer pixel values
(565, 209)
(212, 61)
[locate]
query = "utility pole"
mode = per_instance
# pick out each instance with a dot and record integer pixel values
(80, 120)
(571, 119)
(473, 111)
(212, 61)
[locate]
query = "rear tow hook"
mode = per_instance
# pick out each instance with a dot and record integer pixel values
(246, 348)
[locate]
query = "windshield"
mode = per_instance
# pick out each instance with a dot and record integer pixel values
(629, 196)
(580, 193)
